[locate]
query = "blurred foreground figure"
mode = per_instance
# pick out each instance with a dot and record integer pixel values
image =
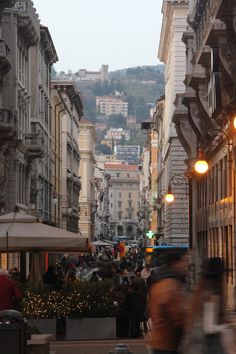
(167, 304)
(207, 330)
(9, 292)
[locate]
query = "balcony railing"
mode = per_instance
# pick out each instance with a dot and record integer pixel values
(5, 64)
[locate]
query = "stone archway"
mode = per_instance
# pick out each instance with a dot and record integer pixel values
(120, 230)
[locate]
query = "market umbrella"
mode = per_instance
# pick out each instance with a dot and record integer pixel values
(22, 232)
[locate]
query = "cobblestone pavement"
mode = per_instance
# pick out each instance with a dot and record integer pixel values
(136, 346)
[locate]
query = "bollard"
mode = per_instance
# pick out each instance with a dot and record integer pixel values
(121, 349)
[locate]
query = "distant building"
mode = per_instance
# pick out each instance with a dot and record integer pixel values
(128, 153)
(117, 133)
(124, 192)
(102, 74)
(109, 105)
(100, 127)
(131, 121)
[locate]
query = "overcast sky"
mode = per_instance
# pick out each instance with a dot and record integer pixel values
(88, 33)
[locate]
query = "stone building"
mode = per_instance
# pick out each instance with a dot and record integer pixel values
(88, 203)
(124, 196)
(68, 108)
(172, 155)
(102, 185)
(42, 57)
(20, 143)
(204, 119)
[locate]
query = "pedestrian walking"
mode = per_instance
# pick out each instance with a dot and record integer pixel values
(207, 329)
(9, 292)
(167, 304)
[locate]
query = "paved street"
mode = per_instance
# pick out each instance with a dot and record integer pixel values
(136, 346)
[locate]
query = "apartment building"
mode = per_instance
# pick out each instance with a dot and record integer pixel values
(109, 105)
(124, 196)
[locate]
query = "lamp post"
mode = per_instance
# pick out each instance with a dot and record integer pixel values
(177, 180)
(201, 165)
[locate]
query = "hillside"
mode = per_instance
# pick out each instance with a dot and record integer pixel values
(140, 86)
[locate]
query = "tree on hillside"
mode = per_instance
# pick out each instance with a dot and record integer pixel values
(117, 121)
(104, 149)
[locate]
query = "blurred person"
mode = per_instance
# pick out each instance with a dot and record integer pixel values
(146, 271)
(167, 304)
(207, 329)
(9, 292)
(94, 277)
(51, 278)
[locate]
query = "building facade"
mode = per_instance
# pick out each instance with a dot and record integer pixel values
(109, 105)
(102, 74)
(204, 119)
(128, 153)
(41, 193)
(172, 53)
(102, 185)
(117, 134)
(124, 196)
(69, 109)
(88, 202)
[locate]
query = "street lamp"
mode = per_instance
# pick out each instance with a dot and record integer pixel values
(175, 180)
(201, 165)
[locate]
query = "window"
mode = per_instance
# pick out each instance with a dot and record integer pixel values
(119, 194)
(130, 194)
(118, 175)
(119, 204)
(111, 195)
(128, 175)
(111, 205)
(130, 216)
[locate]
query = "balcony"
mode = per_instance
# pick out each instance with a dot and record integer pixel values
(28, 21)
(7, 124)
(5, 64)
(33, 143)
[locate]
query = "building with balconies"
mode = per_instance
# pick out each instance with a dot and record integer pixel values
(42, 56)
(20, 144)
(204, 117)
(124, 197)
(67, 113)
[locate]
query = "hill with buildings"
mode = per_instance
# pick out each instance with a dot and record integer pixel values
(120, 99)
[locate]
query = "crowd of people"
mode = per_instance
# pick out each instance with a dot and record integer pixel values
(154, 301)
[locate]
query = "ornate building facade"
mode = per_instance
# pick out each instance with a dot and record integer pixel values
(171, 153)
(204, 119)
(88, 202)
(68, 108)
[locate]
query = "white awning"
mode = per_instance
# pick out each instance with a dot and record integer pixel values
(24, 232)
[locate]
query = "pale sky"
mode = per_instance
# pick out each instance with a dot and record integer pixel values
(89, 33)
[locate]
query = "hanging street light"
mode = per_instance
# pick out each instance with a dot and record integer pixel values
(201, 165)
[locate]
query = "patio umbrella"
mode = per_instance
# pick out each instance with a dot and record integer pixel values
(22, 232)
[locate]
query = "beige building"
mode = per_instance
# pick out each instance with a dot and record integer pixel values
(70, 113)
(109, 105)
(88, 202)
(117, 134)
(102, 74)
(172, 155)
(124, 196)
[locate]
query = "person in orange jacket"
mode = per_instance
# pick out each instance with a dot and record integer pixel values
(167, 305)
